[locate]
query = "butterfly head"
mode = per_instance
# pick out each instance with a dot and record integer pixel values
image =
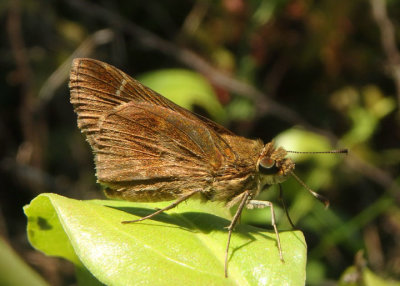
(273, 166)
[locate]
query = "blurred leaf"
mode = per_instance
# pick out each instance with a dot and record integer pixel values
(265, 10)
(304, 141)
(352, 277)
(365, 116)
(240, 109)
(303, 204)
(185, 88)
(14, 271)
(187, 246)
(377, 103)
(295, 139)
(364, 125)
(345, 98)
(343, 233)
(315, 272)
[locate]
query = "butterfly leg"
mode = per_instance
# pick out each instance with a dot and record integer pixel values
(234, 221)
(262, 204)
(171, 206)
(284, 206)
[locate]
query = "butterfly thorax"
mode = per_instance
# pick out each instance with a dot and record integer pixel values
(256, 168)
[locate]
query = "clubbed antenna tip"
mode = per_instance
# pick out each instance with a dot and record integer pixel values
(321, 198)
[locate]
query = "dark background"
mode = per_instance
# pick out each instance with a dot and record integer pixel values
(328, 67)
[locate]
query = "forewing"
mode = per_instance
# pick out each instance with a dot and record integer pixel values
(144, 142)
(97, 88)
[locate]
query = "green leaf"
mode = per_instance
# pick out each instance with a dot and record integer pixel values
(295, 139)
(184, 247)
(185, 88)
(14, 271)
(353, 277)
(240, 108)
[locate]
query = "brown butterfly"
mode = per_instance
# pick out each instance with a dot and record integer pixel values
(148, 149)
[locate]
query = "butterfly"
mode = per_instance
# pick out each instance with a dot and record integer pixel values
(148, 149)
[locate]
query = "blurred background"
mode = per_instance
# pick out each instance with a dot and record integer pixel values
(314, 75)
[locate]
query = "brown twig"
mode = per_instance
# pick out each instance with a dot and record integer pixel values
(32, 128)
(60, 75)
(262, 102)
(36, 180)
(375, 174)
(388, 40)
(195, 16)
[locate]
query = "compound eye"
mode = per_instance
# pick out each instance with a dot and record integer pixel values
(267, 163)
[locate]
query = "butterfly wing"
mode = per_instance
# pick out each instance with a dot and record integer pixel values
(143, 142)
(97, 88)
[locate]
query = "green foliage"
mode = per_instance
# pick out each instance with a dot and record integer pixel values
(185, 247)
(14, 271)
(365, 108)
(354, 277)
(185, 88)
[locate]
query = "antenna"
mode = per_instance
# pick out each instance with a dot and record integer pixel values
(321, 198)
(340, 151)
